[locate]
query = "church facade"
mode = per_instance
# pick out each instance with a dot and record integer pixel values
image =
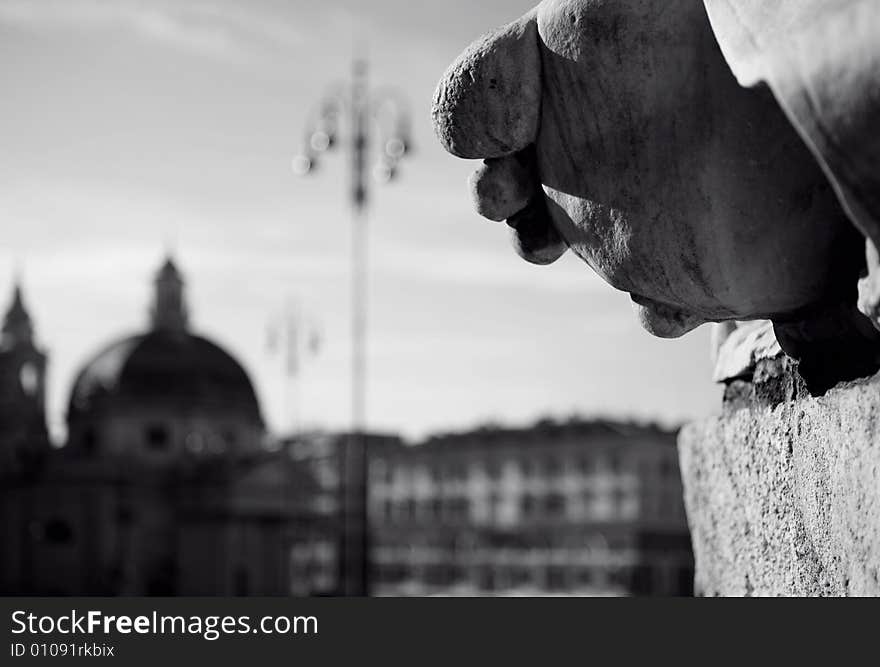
(165, 485)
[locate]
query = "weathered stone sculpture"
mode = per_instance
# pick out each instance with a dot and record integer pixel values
(719, 164)
(619, 129)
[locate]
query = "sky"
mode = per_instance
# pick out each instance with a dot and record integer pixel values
(129, 129)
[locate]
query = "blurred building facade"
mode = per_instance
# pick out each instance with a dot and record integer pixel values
(580, 507)
(168, 485)
(165, 485)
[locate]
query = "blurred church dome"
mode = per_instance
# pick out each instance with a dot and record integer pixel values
(159, 366)
(164, 392)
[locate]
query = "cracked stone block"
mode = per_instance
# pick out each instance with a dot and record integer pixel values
(785, 500)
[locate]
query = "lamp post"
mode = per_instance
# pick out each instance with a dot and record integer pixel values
(367, 113)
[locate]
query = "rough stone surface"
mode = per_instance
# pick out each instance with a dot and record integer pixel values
(502, 187)
(786, 500)
(488, 102)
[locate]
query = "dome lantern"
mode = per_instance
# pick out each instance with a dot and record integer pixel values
(169, 307)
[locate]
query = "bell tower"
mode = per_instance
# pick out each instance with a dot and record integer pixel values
(23, 433)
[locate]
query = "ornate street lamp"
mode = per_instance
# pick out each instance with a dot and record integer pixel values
(381, 116)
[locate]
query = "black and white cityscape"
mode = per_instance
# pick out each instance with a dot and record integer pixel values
(169, 484)
(267, 329)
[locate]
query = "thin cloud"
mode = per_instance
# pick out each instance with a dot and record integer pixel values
(501, 269)
(208, 29)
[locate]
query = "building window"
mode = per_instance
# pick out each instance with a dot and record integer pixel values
(586, 577)
(527, 505)
(589, 499)
(157, 437)
(618, 498)
(498, 505)
(58, 531)
(493, 469)
(456, 509)
(585, 465)
(486, 579)
(556, 579)
(615, 463)
(620, 576)
(522, 576)
(554, 504)
(643, 580)
(90, 441)
(124, 515)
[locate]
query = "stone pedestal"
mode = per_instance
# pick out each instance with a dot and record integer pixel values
(785, 499)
